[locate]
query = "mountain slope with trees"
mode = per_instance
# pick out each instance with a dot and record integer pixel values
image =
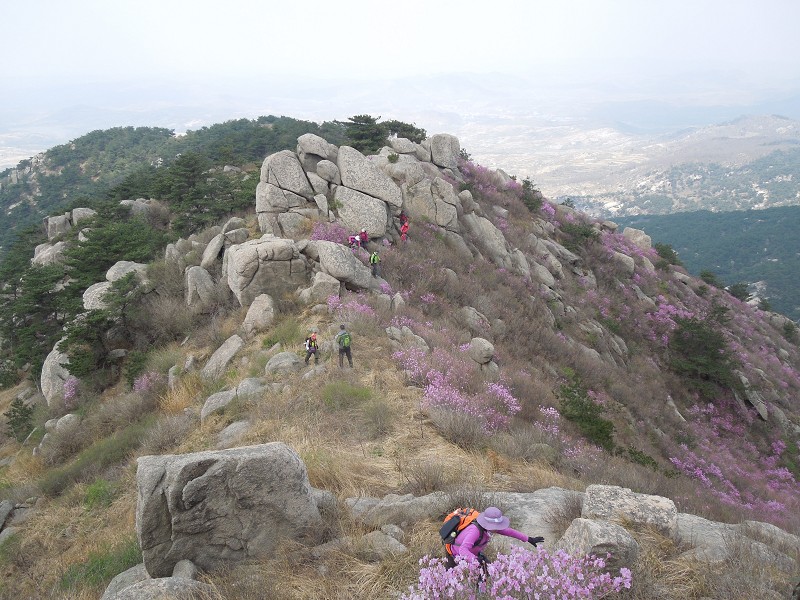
(512, 345)
(760, 248)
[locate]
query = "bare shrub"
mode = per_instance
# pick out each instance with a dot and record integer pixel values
(470, 494)
(167, 318)
(426, 476)
(167, 433)
(459, 428)
(378, 417)
(523, 442)
(167, 278)
(750, 572)
(63, 444)
(561, 516)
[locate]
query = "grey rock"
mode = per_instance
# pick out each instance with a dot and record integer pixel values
(57, 225)
(199, 286)
(481, 350)
(310, 144)
(377, 546)
(6, 507)
(608, 502)
(328, 171)
(586, 536)
(338, 261)
(49, 254)
(7, 533)
(221, 507)
(234, 223)
(397, 302)
(406, 338)
(232, 434)
(638, 237)
(445, 150)
(186, 569)
(251, 388)
(219, 361)
(284, 362)
(260, 316)
(358, 210)
(216, 403)
(398, 510)
(124, 580)
(82, 214)
(269, 265)
(360, 174)
(626, 262)
(212, 251)
(172, 376)
(54, 373)
(93, 296)
(322, 287)
(124, 267)
(161, 588)
(283, 170)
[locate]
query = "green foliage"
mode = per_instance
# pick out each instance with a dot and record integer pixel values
(578, 407)
(667, 254)
(752, 245)
(368, 136)
(19, 419)
(699, 353)
(8, 374)
(710, 278)
(99, 494)
(569, 203)
(531, 196)
(102, 566)
(790, 332)
(135, 366)
(393, 158)
(365, 134)
(642, 458)
(764, 304)
(342, 395)
(739, 291)
(286, 332)
(100, 455)
(579, 235)
(405, 130)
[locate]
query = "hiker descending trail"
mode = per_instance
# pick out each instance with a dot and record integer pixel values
(312, 348)
(343, 339)
(466, 532)
(375, 264)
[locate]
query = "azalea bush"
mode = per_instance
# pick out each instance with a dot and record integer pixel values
(521, 574)
(450, 383)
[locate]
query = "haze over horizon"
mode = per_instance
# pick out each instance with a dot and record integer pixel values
(89, 64)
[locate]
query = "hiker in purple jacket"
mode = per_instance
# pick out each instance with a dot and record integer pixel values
(471, 541)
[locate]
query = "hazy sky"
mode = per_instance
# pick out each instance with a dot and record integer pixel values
(48, 41)
(76, 65)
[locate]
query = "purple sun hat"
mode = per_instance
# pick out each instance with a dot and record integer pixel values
(492, 519)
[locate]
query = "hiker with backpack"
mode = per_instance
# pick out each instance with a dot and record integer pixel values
(466, 532)
(343, 339)
(312, 348)
(404, 231)
(375, 264)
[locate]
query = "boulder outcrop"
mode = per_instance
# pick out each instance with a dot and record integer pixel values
(221, 507)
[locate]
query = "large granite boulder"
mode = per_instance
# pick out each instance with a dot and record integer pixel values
(162, 588)
(638, 237)
(260, 315)
(322, 287)
(481, 350)
(283, 170)
(269, 265)
(93, 296)
(358, 173)
(54, 374)
(49, 254)
(359, 211)
(609, 502)
(284, 362)
(216, 365)
(199, 286)
(125, 580)
(57, 225)
(216, 508)
(587, 536)
(339, 262)
(445, 150)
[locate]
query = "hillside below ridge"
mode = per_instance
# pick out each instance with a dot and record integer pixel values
(528, 317)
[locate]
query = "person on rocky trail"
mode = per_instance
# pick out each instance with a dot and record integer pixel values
(476, 535)
(343, 339)
(404, 231)
(312, 348)
(375, 264)
(363, 238)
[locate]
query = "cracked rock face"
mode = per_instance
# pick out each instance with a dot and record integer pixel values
(268, 265)
(220, 507)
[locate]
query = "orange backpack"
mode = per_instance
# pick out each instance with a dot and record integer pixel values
(455, 522)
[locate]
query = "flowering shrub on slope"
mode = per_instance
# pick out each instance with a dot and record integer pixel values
(521, 574)
(446, 381)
